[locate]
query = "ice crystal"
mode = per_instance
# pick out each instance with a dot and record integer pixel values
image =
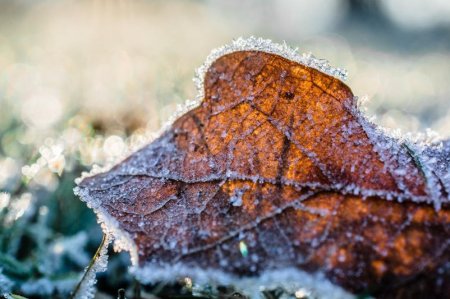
(401, 159)
(265, 45)
(427, 152)
(86, 289)
(289, 279)
(240, 44)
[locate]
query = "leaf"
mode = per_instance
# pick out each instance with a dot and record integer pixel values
(275, 169)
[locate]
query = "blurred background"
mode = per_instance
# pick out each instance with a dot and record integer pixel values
(82, 82)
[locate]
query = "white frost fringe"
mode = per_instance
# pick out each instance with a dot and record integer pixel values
(240, 44)
(87, 288)
(288, 278)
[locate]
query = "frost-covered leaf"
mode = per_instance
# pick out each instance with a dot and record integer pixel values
(277, 170)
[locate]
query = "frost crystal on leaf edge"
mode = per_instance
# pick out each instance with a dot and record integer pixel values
(240, 44)
(123, 241)
(265, 45)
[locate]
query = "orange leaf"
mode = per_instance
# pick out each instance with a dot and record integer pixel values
(276, 168)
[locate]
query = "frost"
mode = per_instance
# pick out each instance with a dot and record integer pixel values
(46, 287)
(110, 226)
(405, 158)
(240, 44)
(86, 290)
(290, 280)
(429, 155)
(5, 284)
(236, 197)
(18, 207)
(265, 45)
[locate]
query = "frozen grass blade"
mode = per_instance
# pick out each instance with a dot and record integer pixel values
(97, 264)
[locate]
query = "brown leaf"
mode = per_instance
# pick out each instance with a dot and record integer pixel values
(276, 168)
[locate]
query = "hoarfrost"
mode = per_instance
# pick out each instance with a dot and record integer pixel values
(429, 155)
(5, 284)
(122, 240)
(236, 197)
(265, 45)
(86, 290)
(405, 158)
(289, 279)
(240, 44)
